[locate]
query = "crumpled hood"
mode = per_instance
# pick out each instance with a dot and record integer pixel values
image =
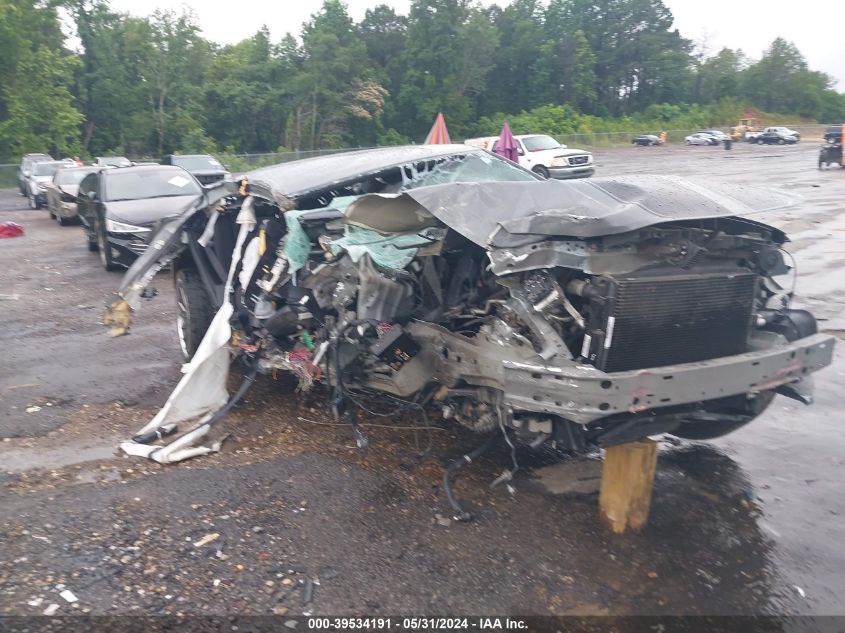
(498, 214)
(148, 210)
(70, 190)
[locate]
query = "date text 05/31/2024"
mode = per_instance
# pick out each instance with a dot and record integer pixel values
(417, 624)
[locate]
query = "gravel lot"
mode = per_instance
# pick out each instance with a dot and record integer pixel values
(751, 524)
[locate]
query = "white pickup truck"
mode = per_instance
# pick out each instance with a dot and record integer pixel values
(544, 155)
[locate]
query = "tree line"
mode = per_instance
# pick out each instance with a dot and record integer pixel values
(151, 86)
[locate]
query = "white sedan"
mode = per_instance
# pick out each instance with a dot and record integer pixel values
(700, 138)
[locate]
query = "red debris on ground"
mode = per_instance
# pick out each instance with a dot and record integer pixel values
(10, 229)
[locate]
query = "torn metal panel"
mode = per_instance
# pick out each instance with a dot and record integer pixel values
(202, 390)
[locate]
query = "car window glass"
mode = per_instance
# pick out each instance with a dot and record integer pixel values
(152, 183)
(70, 176)
(46, 169)
(539, 143)
(196, 163)
(87, 184)
(480, 167)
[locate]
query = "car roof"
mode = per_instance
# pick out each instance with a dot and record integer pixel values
(90, 168)
(285, 181)
(134, 169)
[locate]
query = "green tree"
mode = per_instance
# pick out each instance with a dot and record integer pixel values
(37, 109)
(335, 76)
(720, 75)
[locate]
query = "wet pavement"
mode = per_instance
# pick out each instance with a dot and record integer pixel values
(290, 518)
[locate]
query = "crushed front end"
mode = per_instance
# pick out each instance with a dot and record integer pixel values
(582, 314)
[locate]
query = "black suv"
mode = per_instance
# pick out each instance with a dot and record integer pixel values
(204, 167)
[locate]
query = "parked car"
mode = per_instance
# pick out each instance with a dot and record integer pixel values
(25, 169)
(204, 167)
(119, 207)
(717, 134)
(112, 161)
(545, 156)
(754, 137)
(775, 137)
(40, 174)
(584, 314)
(62, 191)
(647, 139)
(701, 138)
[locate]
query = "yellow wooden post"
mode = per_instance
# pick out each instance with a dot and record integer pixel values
(626, 483)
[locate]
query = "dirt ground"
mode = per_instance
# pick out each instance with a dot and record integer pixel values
(292, 519)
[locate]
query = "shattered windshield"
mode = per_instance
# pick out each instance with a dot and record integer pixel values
(476, 167)
(153, 183)
(197, 163)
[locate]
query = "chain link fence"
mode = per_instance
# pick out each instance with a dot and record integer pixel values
(8, 176)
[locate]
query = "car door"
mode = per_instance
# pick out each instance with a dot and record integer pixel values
(523, 156)
(53, 194)
(85, 202)
(23, 174)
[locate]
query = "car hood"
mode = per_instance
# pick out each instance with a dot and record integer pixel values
(148, 210)
(502, 214)
(70, 190)
(555, 153)
(207, 172)
(41, 179)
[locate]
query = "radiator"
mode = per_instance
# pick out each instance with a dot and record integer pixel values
(653, 321)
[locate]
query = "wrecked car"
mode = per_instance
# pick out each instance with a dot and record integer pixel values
(585, 314)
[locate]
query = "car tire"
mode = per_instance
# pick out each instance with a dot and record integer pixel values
(62, 221)
(103, 247)
(540, 170)
(712, 429)
(194, 310)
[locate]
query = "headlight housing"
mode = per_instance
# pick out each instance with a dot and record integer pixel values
(560, 161)
(120, 227)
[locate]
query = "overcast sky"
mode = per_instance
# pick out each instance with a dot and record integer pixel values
(817, 27)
